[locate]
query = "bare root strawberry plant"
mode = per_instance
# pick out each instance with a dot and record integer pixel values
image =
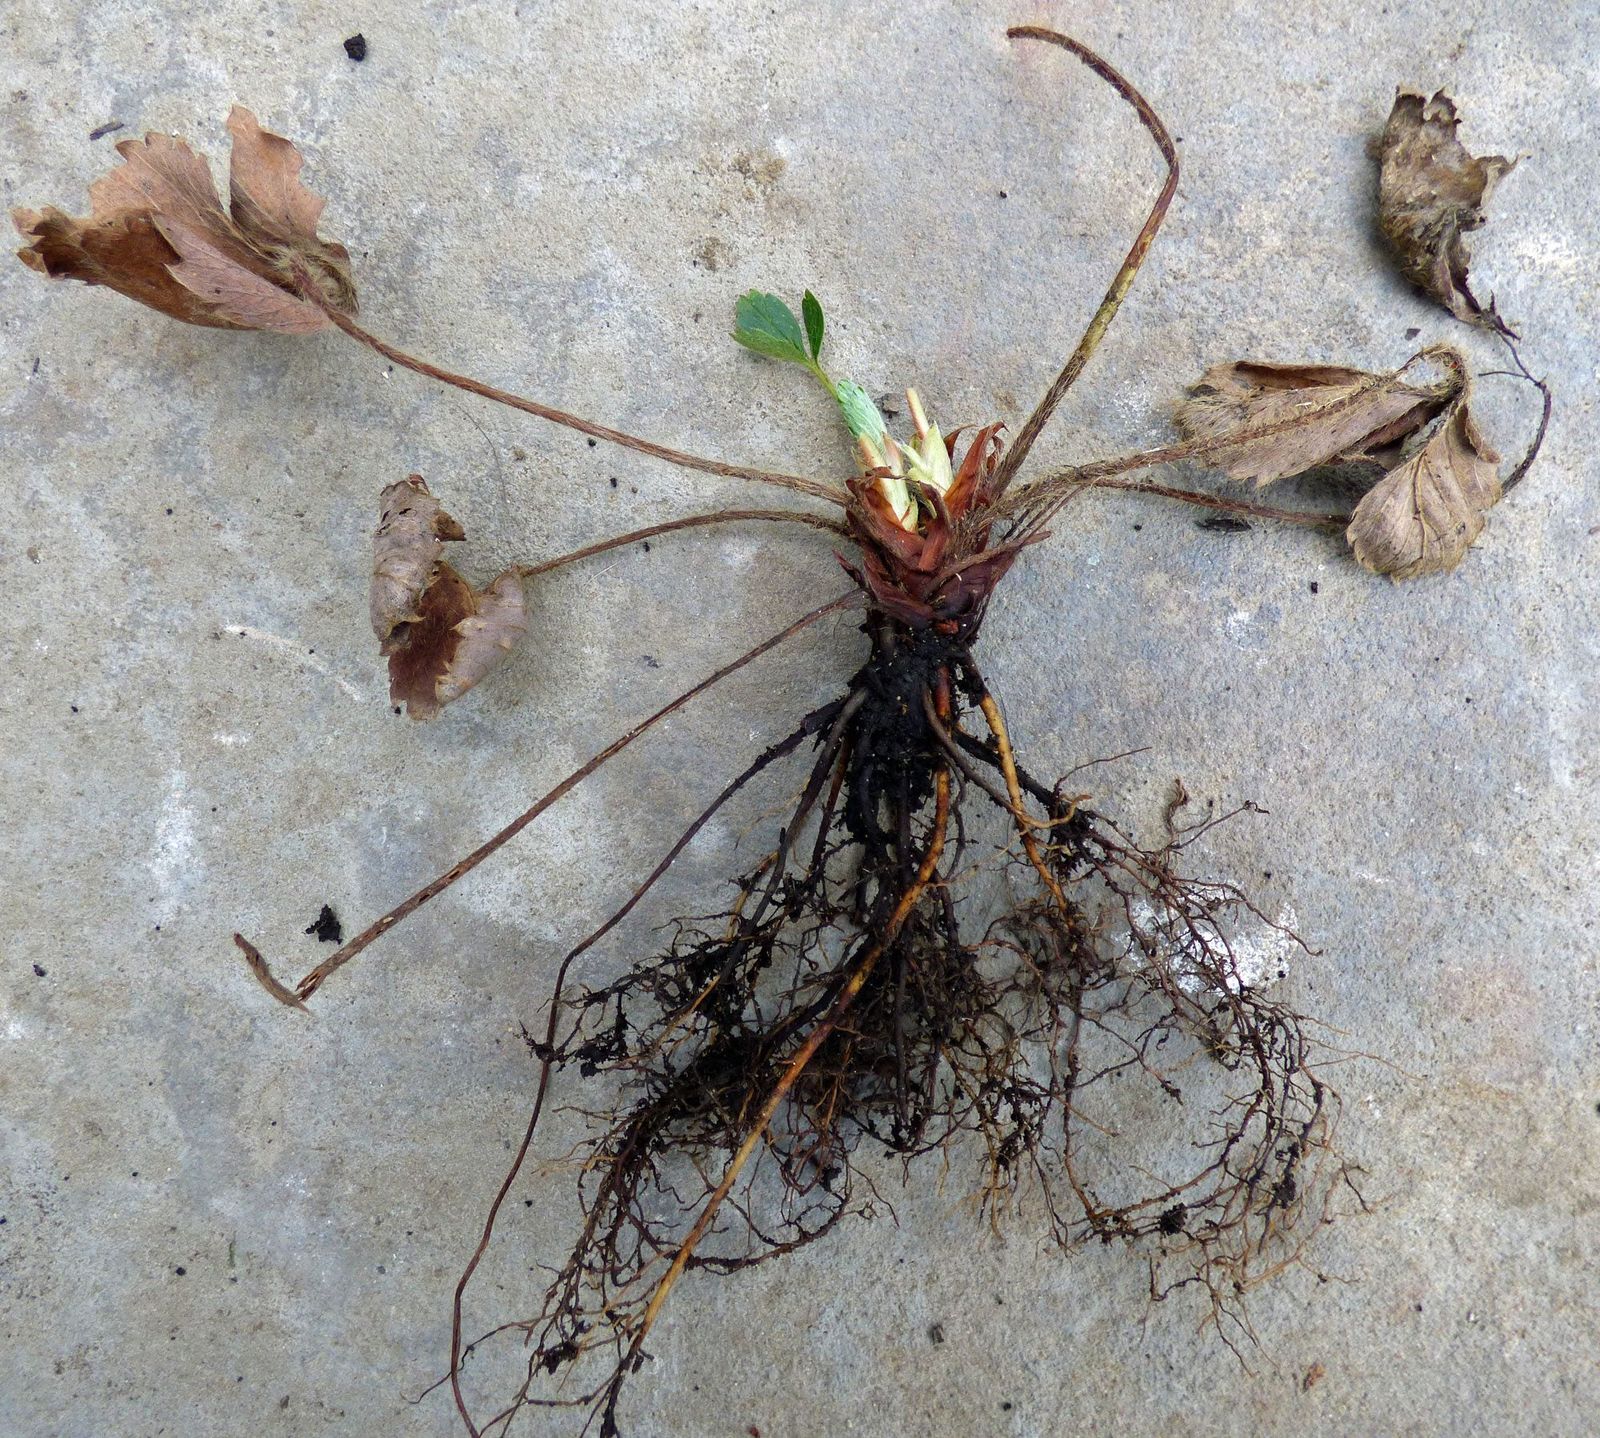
(860, 996)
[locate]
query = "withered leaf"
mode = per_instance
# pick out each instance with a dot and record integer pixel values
(1422, 517)
(157, 233)
(407, 544)
(441, 635)
(1430, 193)
(486, 636)
(1312, 414)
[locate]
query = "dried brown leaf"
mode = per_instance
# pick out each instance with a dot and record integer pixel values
(442, 636)
(232, 290)
(487, 636)
(157, 233)
(406, 546)
(1422, 517)
(1430, 193)
(1295, 417)
(264, 189)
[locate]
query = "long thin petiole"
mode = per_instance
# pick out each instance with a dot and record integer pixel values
(1101, 321)
(1033, 506)
(693, 521)
(1242, 507)
(314, 980)
(833, 493)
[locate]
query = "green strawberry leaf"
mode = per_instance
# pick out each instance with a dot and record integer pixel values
(811, 308)
(765, 324)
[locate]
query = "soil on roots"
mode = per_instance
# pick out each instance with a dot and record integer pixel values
(851, 1001)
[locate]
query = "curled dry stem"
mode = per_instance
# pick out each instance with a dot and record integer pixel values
(1522, 372)
(1122, 282)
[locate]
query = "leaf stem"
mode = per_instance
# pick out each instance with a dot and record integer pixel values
(1228, 506)
(693, 521)
(1100, 322)
(822, 376)
(314, 980)
(833, 493)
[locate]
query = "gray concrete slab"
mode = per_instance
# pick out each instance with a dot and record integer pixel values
(221, 1218)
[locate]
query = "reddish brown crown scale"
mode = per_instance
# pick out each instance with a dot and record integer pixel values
(940, 575)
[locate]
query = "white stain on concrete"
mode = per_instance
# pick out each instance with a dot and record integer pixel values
(300, 653)
(173, 862)
(1258, 955)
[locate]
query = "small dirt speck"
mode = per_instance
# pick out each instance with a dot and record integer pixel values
(713, 254)
(761, 169)
(326, 926)
(356, 48)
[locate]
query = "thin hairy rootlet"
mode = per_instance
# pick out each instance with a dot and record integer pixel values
(858, 1002)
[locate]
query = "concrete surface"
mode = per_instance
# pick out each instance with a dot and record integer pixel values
(222, 1218)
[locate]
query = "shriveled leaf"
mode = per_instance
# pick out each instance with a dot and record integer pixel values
(421, 651)
(1296, 417)
(124, 252)
(412, 528)
(1430, 193)
(157, 233)
(441, 635)
(264, 189)
(270, 204)
(765, 324)
(1422, 517)
(486, 636)
(232, 290)
(458, 637)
